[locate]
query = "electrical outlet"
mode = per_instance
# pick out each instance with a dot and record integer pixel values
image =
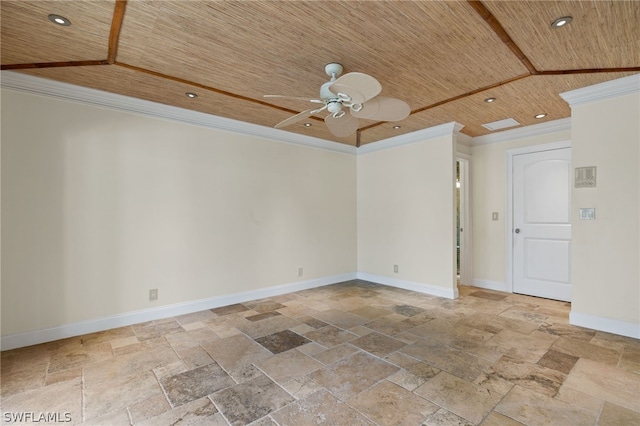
(300, 271)
(395, 268)
(494, 216)
(153, 294)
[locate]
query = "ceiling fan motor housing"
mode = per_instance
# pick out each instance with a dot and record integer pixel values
(334, 106)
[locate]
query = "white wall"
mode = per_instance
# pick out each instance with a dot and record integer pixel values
(488, 189)
(99, 206)
(406, 215)
(606, 251)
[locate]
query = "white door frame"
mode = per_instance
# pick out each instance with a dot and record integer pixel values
(508, 232)
(466, 261)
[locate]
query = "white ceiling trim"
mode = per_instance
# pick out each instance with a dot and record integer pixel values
(446, 129)
(42, 86)
(601, 91)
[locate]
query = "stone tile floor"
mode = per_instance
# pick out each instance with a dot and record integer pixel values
(346, 354)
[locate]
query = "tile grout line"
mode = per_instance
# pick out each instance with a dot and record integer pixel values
(83, 398)
(281, 387)
(209, 397)
(164, 392)
(600, 411)
(130, 416)
(499, 402)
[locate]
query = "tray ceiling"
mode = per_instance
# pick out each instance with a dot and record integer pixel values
(442, 57)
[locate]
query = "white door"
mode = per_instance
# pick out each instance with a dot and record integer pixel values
(542, 224)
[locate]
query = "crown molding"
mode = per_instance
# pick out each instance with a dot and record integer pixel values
(524, 132)
(447, 129)
(602, 91)
(69, 92)
(65, 91)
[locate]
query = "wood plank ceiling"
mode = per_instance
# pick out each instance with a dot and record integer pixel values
(442, 57)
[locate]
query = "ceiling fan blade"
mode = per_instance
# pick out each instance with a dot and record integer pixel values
(299, 98)
(343, 126)
(383, 109)
(358, 86)
(295, 118)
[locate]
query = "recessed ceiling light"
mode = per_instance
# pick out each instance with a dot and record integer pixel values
(307, 124)
(561, 22)
(489, 100)
(397, 127)
(191, 95)
(543, 115)
(60, 20)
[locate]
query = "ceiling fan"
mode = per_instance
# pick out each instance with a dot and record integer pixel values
(348, 98)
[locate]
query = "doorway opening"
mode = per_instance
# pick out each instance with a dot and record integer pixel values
(463, 222)
(458, 184)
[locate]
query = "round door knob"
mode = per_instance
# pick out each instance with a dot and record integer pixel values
(517, 230)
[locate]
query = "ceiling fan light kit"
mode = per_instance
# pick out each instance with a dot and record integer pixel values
(348, 98)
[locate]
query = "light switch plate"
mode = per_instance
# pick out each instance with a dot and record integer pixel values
(587, 214)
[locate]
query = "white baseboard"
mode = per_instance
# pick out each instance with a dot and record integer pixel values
(622, 328)
(129, 318)
(136, 317)
(490, 285)
(449, 293)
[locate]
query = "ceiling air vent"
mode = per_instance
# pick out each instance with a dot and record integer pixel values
(501, 124)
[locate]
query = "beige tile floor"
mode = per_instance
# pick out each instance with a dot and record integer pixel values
(346, 354)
